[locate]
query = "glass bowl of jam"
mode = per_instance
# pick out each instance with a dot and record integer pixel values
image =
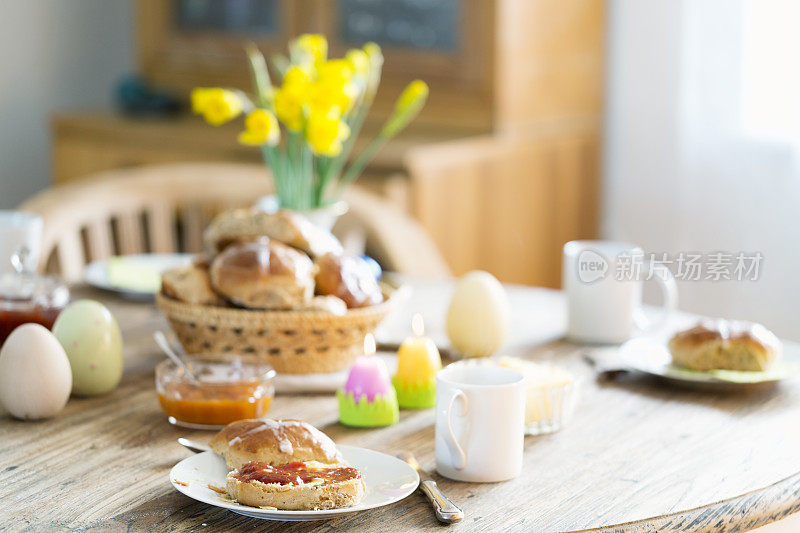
(226, 390)
(28, 297)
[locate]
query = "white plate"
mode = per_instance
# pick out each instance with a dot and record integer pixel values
(387, 479)
(651, 356)
(96, 273)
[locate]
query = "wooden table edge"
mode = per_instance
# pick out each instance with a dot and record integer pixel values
(738, 513)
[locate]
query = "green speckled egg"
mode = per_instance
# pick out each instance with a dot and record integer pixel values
(90, 335)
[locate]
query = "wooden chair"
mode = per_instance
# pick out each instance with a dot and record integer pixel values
(163, 209)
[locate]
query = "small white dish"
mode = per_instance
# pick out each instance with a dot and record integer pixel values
(387, 480)
(651, 356)
(96, 273)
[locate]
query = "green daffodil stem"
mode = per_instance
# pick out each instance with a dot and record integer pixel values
(260, 73)
(290, 200)
(272, 156)
(322, 165)
(309, 195)
(360, 162)
(335, 168)
(407, 107)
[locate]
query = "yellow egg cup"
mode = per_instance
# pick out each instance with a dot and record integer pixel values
(419, 395)
(382, 411)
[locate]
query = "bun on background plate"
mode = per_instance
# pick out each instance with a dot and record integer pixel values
(725, 345)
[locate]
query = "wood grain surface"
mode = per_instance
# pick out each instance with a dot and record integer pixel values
(637, 456)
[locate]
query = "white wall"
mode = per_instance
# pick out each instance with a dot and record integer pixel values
(683, 171)
(54, 55)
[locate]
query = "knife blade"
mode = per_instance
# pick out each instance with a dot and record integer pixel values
(446, 511)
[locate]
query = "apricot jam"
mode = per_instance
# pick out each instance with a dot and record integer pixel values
(293, 474)
(225, 404)
(224, 392)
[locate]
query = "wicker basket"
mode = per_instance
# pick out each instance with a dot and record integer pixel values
(293, 342)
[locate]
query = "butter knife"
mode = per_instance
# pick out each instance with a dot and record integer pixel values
(446, 511)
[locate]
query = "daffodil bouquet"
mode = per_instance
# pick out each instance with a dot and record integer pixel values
(322, 104)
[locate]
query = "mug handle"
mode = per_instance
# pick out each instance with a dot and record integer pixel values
(669, 294)
(455, 448)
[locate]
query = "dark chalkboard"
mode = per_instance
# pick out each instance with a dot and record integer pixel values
(229, 16)
(415, 24)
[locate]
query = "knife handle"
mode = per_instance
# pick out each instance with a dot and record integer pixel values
(446, 511)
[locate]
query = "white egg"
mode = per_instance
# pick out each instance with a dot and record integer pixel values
(478, 316)
(35, 376)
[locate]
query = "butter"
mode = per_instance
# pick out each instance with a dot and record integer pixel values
(549, 391)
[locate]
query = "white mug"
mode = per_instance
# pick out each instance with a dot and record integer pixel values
(480, 419)
(603, 282)
(20, 240)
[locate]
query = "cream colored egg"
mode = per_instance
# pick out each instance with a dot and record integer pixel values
(92, 341)
(35, 376)
(478, 316)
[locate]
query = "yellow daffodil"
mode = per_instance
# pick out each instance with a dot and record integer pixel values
(335, 70)
(217, 106)
(261, 127)
(318, 100)
(289, 107)
(325, 133)
(327, 95)
(359, 61)
(313, 46)
(296, 75)
(198, 99)
(413, 97)
(374, 54)
(406, 108)
(375, 57)
(334, 87)
(291, 97)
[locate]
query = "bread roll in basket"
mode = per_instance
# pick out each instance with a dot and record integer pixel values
(293, 342)
(252, 294)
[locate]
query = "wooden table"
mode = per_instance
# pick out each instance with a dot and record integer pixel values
(637, 456)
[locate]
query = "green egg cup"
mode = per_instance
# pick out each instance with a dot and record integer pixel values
(415, 395)
(382, 411)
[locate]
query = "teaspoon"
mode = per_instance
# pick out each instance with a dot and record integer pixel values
(162, 342)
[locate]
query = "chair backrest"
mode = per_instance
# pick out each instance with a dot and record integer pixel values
(163, 209)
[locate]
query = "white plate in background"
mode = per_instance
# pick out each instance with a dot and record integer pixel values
(96, 273)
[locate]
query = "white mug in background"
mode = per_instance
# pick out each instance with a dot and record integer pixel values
(20, 238)
(603, 282)
(480, 419)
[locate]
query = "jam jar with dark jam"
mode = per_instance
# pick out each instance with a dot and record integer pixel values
(28, 297)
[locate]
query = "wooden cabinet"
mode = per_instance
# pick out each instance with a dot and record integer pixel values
(509, 62)
(210, 53)
(507, 204)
